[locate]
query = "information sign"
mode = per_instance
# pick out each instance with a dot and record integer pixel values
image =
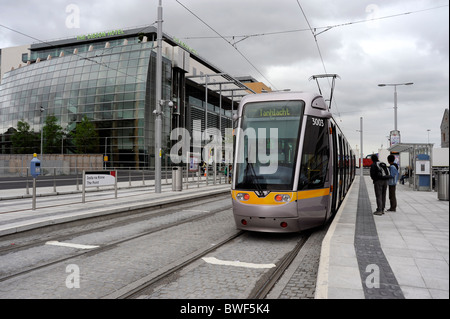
(100, 178)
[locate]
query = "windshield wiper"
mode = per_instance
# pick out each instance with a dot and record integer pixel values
(259, 191)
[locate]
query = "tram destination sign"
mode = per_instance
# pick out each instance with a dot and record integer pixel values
(274, 110)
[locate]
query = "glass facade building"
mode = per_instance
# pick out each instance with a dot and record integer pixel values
(111, 82)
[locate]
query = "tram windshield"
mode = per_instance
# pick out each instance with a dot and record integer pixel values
(267, 145)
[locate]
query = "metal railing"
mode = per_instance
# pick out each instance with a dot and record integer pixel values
(52, 179)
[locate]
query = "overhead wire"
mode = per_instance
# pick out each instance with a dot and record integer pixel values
(244, 37)
(229, 42)
(324, 28)
(318, 49)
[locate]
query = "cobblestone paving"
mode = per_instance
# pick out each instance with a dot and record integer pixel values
(204, 280)
(43, 254)
(302, 282)
(102, 273)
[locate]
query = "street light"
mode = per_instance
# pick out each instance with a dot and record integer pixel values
(395, 135)
(158, 93)
(395, 98)
(42, 130)
(62, 144)
(361, 159)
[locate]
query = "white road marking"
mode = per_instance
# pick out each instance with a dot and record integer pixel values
(57, 243)
(215, 261)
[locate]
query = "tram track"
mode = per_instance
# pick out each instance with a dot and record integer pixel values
(142, 288)
(261, 289)
(268, 281)
(186, 266)
(108, 246)
(118, 219)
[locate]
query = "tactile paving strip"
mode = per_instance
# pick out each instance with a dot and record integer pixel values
(378, 279)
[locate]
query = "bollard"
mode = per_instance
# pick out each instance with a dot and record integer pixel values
(28, 189)
(54, 180)
(443, 185)
(177, 179)
(33, 204)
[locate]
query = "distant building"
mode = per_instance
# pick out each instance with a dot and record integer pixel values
(253, 84)
(12, 58)
(444, 130)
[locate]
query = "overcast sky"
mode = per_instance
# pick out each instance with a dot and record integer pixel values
(370, 42)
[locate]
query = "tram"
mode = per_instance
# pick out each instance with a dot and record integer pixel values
(293, 165)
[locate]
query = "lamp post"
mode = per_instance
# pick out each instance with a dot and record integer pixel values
(158, 113)
(395, 133)
(361, 159)
(62, 144)
(42, 130)
(395, 99)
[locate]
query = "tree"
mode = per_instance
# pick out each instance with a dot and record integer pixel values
(23, 139)
(85, 137)
(53, 134)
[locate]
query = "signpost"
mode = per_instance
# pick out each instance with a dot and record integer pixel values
(394, 137)
(99, 178)
(192, 165)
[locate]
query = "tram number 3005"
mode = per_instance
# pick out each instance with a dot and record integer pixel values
(318, 122)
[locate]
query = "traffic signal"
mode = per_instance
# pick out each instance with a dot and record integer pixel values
(176, 109)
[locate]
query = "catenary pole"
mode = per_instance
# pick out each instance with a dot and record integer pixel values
(361, 165)
(158, 120)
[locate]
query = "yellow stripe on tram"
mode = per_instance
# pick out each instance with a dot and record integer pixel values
(270, 199)
(314, 193)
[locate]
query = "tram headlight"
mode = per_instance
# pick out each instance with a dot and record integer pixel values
(242, 196)
(282, 198)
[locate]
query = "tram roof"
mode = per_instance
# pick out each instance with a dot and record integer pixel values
(284, 95)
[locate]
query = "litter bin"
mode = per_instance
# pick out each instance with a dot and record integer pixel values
(177, 179)
(443, 185)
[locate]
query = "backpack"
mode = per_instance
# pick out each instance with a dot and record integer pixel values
(383, 171)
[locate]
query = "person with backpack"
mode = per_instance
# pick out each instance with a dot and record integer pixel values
(392, 183)
(379, 173)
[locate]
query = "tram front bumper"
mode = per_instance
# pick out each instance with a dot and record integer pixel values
(267, 224)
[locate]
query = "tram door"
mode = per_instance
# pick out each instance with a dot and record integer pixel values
(334, 169)
(314, 170)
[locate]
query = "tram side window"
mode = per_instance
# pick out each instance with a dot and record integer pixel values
(315, 156)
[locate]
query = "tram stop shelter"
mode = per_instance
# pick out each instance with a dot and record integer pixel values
(419, 165)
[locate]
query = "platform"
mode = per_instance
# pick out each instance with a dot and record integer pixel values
(402, 254)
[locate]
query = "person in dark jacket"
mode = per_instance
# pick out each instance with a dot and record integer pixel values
(392, 183)
(380, 186)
